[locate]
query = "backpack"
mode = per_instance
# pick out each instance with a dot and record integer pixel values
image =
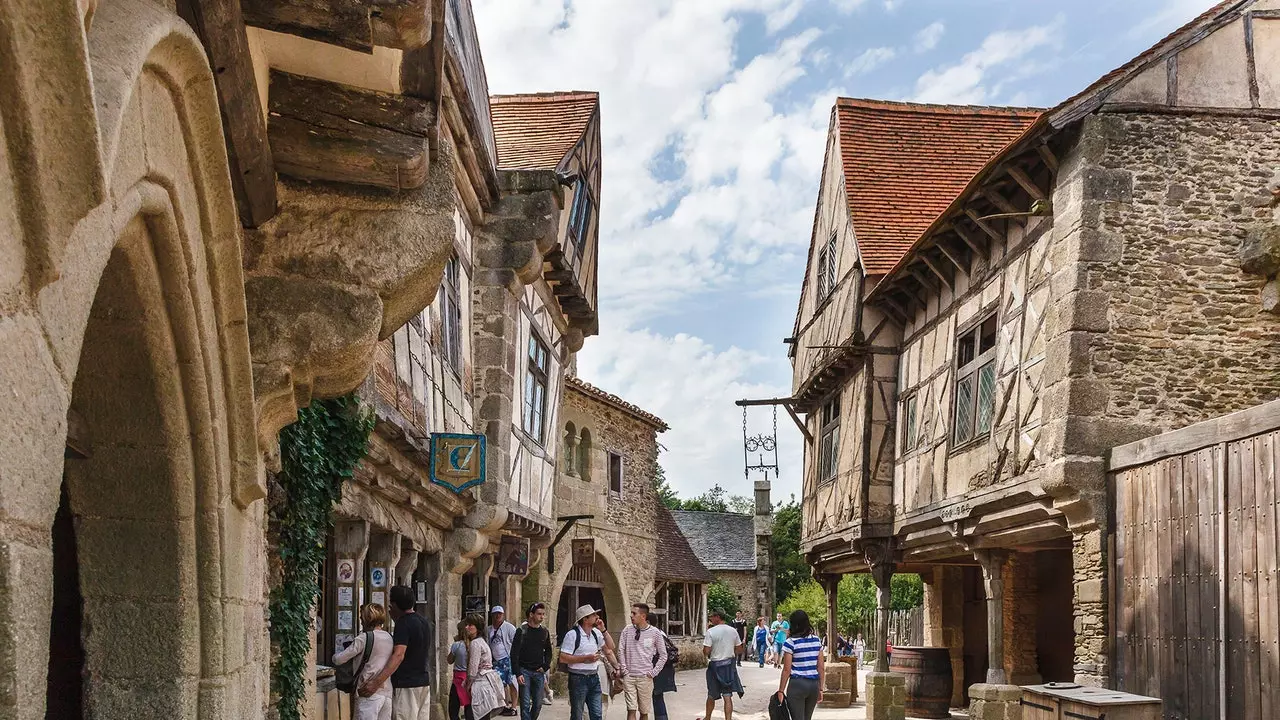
(673, 653)
(562, 666)
(344, 676)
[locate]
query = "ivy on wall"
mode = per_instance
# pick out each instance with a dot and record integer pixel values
(317, 453)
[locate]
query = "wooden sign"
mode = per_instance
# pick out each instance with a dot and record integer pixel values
(457, 461)
(513, 556)
(583, 551)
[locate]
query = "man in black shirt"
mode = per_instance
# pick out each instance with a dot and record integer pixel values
(407, 667)
(531, 658)
(740, 625)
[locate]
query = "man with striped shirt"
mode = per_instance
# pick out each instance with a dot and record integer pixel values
(803, 668)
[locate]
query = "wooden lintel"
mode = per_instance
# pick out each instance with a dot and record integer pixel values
(326, 131)
(220, 26)
(952, 256)
(975, 244)
(352, 24)
(1000, 201)
(1050, 160)
(982, 225)
(1024, 180)
(928, 261)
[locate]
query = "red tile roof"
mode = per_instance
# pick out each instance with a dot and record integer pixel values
(905, 162)
(536, 131)
(608, 398)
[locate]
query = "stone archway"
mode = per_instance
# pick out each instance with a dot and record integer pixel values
(605, 577)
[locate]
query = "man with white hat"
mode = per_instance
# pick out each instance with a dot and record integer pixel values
(582, 649)
(500, 635)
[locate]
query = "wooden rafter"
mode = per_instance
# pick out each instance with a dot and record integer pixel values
(975, 243)
(932, 265)
(951, 255)
(923, 279)
(1000, 201)
(1024, 180)
(982, 224)
(1050, 160)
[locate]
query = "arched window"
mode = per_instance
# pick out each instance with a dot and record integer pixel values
(584, 455)
(568, 449)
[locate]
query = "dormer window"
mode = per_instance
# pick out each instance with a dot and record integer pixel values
(827, 265)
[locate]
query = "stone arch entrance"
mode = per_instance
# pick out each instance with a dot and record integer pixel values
(601, 583)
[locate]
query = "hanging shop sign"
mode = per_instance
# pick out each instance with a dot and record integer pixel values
(513, 556)
(584, 551)
(457, 461)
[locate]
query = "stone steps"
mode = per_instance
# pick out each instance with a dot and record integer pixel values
(836, 700)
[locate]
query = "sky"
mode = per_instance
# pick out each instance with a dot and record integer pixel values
(714, 116)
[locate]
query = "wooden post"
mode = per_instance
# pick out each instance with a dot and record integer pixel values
(831, 583)
(992, 562)
(880, 559)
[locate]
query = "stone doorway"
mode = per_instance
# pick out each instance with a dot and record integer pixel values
(574, 596)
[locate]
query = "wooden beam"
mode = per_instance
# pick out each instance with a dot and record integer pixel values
(952, 256)
(220, 27)
(325, 131)
(894, 304)
(975, 243)
(999, 200)
(937, 270)
(352, 24)
(1050, 160)
(808, 436)
(923, 280)
(1024, 180)
(982, 225)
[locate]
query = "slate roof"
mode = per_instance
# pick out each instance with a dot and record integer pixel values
(609, 398)
(905, 162)
(722, 541)
(537, 131)
(676, 560)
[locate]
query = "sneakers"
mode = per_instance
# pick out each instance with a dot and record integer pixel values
(509, 712)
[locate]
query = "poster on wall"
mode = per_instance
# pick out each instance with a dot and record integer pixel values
(378, 577)
(513, 556)
(346, 596)
(584, 551)
(379, 598)
(346, 571)
(473, 604)
(346, 620)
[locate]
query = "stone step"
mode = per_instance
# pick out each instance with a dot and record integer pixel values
(836, 700)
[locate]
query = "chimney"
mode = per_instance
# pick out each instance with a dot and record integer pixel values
(765, 600)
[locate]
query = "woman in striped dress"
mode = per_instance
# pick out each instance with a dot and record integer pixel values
(803, 668)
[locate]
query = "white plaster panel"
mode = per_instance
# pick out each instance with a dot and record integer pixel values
(377, 71)
(1149, 86)
(1266, 57)
(1214, 72)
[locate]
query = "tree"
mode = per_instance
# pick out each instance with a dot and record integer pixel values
(721, 597)
(742, 505)
(855, 597)
(790, 568)
(666, 494)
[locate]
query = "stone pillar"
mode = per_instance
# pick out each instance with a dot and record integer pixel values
(1020, 662)
(383, 557)
(944, 621)
(766, 578)
(995, 699)
(886, 692)
(1090, 578)
(407, 565)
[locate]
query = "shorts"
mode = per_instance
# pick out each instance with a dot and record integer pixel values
(777, 647)
(637, 690)
(503, 667)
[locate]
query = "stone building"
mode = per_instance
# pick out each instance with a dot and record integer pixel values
(208, 219)
(1084, 277)
(608, 463)
(726, 544)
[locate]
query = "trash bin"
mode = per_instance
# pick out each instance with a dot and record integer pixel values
(1068, 701)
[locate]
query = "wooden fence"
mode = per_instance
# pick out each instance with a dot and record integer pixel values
(906, 627)
(1195, 618)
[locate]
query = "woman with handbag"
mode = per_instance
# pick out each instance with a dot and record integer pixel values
(378, 705)
(483, 682)
(803, 668)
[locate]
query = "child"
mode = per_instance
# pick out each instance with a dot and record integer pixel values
(378, 705)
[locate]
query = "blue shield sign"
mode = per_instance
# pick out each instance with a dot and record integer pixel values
(457, 461)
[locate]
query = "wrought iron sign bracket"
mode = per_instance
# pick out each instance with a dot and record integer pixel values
(569, 521)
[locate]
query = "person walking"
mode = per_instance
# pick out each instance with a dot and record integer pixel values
(803, 668)
(500, 634)
(483, 681)
(761, 640)
(407, 668)
(459, 693)
(739, 625)
(665, 681)
(859, 649)
(373, 617)
(531, 656)
(581, 650)
(720, 646)
(781, 629)
(642, 653)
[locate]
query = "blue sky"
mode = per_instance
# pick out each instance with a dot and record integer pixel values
(714, 119)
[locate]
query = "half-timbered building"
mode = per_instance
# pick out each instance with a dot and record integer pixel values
(1097, 276)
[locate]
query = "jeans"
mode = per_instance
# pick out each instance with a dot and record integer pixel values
(659, 706)
(585, 690)
(531, 694)
(802, 697)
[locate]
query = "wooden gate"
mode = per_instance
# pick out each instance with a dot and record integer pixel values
(1195, 618)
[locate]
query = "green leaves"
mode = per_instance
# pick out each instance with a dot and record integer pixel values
(721, 597)
(317, 453)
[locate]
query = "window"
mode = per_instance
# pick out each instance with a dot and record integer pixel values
(615, 474)
(579, 220)
(584, 455)
(570, 444)
(829, 434)
(451, 313)
(827, 263)
(909, 424)
(975, 393)
(535, 390)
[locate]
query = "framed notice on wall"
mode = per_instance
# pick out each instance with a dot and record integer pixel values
(584, 551)
(513, 556)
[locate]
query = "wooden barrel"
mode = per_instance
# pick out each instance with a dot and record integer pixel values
(928, 672)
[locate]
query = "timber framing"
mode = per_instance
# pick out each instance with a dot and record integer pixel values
(352, 24)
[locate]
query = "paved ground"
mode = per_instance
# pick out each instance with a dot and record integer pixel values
(687, 703)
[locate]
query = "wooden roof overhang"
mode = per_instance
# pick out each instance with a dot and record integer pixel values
(569, 291)
(1014, 186)
(839, 364)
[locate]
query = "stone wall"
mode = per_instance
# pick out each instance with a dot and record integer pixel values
(743, 585)
(1020, 606)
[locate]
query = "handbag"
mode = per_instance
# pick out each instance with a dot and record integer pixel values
(778, 709)
(344, 675)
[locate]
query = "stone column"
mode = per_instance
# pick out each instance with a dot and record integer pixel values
(384, 555)
(944, 621)
(1092, 666)
(1020, 662)
(841, 679)
(765, 573)
(886, 692)
(995, 699)
(407, 565)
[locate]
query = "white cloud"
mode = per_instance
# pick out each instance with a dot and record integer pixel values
(967, 81)
(928, 37)
(869, 60)
(847, 6)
